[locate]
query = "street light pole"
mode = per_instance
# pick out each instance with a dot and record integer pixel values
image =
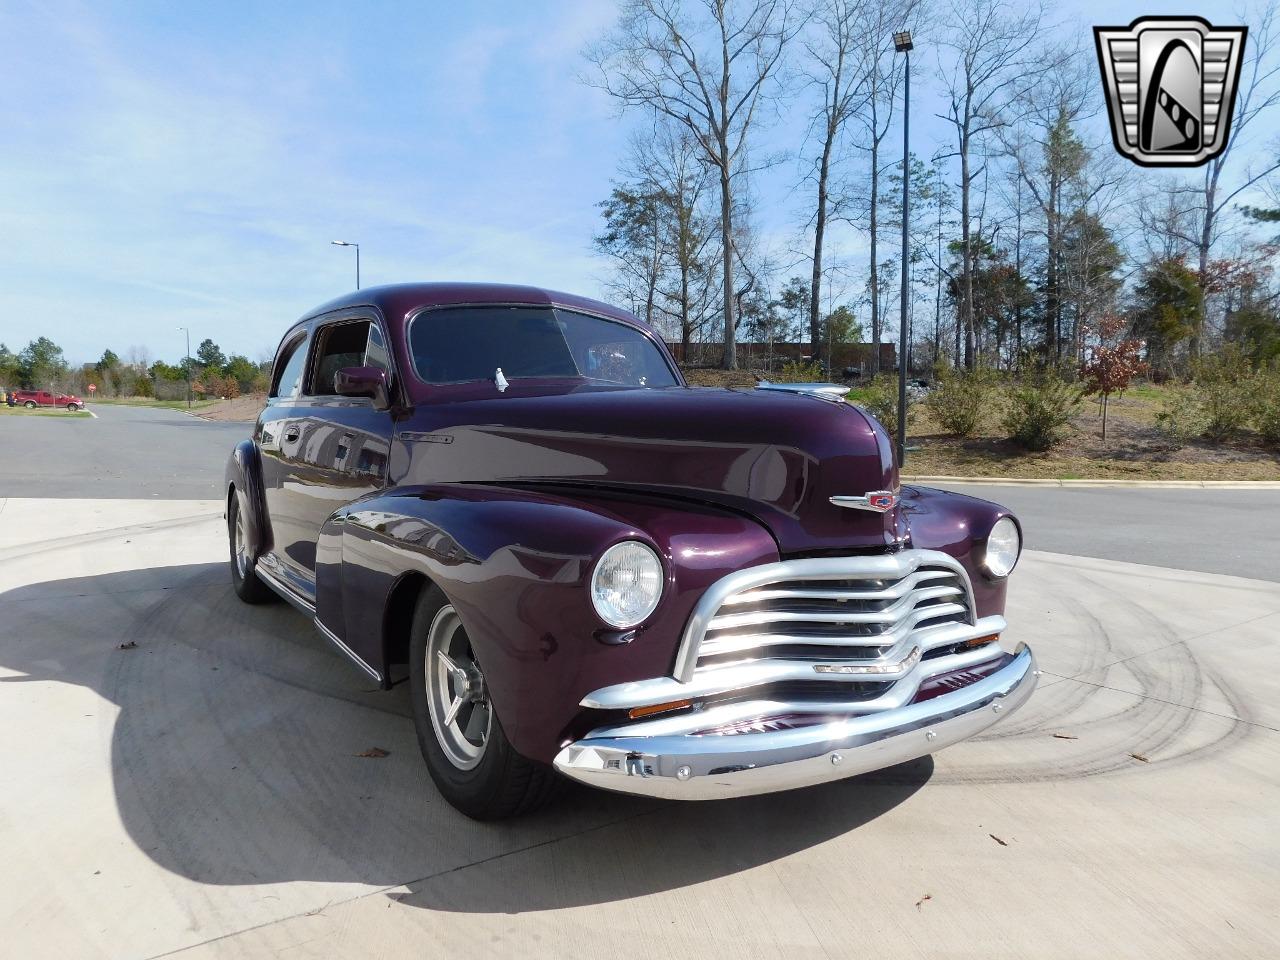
(186, 362)
(344, 243)
(902, 44)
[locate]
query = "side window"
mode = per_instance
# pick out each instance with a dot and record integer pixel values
(288, 378)
(338, 345)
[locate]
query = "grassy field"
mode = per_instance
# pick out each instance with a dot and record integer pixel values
(7, 411)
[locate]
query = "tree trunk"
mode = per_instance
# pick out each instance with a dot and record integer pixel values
(730, 361)
(1206, 239)
(966, 255)
(875, 265)
(820, 226)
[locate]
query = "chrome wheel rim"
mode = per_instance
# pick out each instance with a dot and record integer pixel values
(239, 543)
(457, 698)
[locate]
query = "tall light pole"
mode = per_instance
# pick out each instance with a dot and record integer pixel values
(186, 362)
(344, 243)
(902, 44)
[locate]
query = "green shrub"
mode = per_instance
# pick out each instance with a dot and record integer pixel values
(797, 371)
(1039, 410)
(960, 401)
(1180, 417)
(1227, 391)
(880, 399)
(1267, 411)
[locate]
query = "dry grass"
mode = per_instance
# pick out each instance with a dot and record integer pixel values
(241, 408)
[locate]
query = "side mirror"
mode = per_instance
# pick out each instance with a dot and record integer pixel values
(363, 382)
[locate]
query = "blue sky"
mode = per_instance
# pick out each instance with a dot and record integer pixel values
(166, 165)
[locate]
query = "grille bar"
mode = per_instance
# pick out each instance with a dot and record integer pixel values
(784, 618)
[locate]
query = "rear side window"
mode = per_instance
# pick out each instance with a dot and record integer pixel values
(288, 379)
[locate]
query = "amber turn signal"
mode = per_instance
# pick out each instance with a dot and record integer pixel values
(978, 641)
(635, 713)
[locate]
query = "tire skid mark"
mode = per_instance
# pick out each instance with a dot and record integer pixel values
(80, 540)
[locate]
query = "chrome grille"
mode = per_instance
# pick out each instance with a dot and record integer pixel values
(839, 618)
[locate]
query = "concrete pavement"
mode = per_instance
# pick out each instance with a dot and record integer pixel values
(201, 794)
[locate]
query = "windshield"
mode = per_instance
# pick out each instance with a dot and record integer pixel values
(463, 344)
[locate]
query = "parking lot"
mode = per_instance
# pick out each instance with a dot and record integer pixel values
(202, 792)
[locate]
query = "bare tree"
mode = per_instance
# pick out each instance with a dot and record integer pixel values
(836, 70)
(683, 183)
(995, 52)
(1259, 93)
(708, 70)
(883, 71)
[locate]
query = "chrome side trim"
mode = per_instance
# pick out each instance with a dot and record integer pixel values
(683, 767)
(887, 566)
(286, 592)
(717, 680)
(333, 638)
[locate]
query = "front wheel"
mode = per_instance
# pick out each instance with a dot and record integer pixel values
(243, 577)
(467, 753)
(72, 407)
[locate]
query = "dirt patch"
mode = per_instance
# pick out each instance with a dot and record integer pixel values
(240, 408)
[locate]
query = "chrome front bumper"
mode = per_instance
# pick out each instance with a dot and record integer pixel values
(708, 767)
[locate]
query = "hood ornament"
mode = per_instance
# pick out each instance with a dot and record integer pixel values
(500, 381)
(876, 501)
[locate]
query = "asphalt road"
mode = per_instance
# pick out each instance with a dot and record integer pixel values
(146, 452)
(128, 452)
(1230, 531)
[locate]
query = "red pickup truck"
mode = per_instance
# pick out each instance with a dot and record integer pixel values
(43, 398)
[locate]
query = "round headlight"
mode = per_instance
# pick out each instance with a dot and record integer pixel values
(1003, 546)
(627, 584)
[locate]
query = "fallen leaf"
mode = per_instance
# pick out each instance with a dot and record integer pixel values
(1064, 736)
(997, 839)
(128, 645)
(1138, 756)
(927, 896)
(375, 752)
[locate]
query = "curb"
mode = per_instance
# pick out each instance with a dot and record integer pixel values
(1133, 484)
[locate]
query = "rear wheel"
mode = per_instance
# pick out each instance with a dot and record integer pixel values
(30, 404)
(467, 753)
(247, 585)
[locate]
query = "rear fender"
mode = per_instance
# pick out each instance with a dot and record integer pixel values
(517, 566)
(244, 474)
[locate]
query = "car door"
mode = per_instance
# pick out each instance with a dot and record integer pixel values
(342, 443)
(278, 435)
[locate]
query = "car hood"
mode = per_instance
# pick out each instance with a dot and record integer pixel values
(775, 456)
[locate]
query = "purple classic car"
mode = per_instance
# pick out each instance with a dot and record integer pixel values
(588, 569)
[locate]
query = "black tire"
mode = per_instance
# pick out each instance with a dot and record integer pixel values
(30, 404)
(72, 407)
(502, 783)
(245, 581)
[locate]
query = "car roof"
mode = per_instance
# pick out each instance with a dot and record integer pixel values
(398, 301)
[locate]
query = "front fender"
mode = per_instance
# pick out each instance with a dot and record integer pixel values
(517, 566)
(958, 524)
(244, 473)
